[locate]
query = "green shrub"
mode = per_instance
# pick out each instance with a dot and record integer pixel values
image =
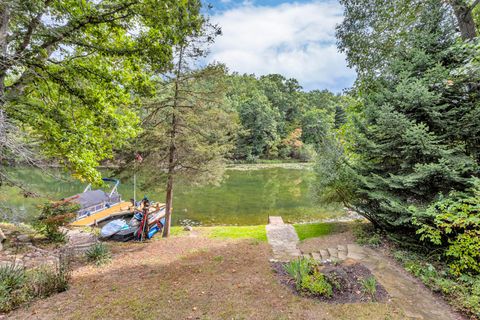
(369, 286)
(98, 254)
(47, 280)
(316, 284)
(454, 223)
(308, 280)
(18, 285)
(54, 216)
(13, 288)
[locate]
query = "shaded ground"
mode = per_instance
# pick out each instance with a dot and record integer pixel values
(190, 277)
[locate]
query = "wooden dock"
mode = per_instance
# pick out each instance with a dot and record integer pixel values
(115, 210)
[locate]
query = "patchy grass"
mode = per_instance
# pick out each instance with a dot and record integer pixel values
(238, 232)
(314, 230)
(175, 231)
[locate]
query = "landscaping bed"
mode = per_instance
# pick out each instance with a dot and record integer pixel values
(345, 282)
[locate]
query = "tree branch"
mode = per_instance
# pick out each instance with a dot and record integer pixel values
(31, 27)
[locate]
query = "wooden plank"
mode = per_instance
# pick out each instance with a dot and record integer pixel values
(117, 209)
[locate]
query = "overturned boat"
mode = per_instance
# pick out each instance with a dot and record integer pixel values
(97, 205)
(144, 224)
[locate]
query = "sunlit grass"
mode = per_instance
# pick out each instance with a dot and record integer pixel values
(314, 230)
(237, 232)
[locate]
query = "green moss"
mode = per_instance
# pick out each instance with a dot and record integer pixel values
(313, 230)
(238, 232)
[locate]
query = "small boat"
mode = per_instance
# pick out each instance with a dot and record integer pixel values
(121, 230)
(98, 205)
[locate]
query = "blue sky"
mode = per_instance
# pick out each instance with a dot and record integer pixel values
(293, 38)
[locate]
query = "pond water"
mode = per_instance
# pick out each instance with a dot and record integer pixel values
(246, 197)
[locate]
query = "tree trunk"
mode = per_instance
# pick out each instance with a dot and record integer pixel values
(171, 171)
(4, 19)
(172, 150)
(168, 208)
(466, 24)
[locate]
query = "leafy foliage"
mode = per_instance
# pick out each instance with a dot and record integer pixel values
(411, 135)
(366, 234)
(12, 282)
(308, 280)
(454, 222)
(71, 70)
(54, 216)
(278, 119)
(369, 286)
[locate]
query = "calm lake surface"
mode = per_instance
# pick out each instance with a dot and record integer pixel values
(246, 197)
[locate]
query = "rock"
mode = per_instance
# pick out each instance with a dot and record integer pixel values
(23, 238)
(188, 228)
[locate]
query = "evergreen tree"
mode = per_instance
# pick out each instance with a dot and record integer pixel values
(414, 135)
(188, 126)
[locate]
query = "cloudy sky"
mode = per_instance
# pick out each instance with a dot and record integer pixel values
(293, 38)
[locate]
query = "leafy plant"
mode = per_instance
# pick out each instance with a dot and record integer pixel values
(454, 222)
(369, 286)
(308, 280)
(54, 216)
(13, 291)
(98, 254)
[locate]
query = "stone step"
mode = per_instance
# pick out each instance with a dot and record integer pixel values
(316, 256)
(324, 254)
(355, 252)
(333, 253)
(342, 255)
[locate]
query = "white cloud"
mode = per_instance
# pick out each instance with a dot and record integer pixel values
(294, 39)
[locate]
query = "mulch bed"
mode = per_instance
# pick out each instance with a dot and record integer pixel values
(348, 274)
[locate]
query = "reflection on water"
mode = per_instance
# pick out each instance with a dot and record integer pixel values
(244, 197)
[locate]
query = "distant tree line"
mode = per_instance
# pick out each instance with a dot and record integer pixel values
(278, 120)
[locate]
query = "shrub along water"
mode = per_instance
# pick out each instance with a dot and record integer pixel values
(54, 216)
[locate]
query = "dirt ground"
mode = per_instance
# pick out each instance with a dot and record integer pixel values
(190, 277)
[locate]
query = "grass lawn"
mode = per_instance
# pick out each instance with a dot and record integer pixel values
(313, 230)
(238, 232)
(191, 277)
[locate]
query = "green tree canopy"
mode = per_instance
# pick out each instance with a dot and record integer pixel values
(69, 70)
